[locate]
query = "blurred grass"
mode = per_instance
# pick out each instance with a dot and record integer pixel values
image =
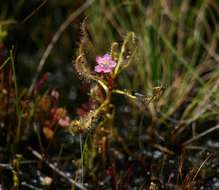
(178, 48)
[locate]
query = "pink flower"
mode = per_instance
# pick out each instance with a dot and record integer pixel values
(64, 122)
(105, 64)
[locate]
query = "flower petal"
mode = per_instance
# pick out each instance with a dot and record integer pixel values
(107, 70)
(98, 69)
(107, 57)
(112, 64)
(99, 59)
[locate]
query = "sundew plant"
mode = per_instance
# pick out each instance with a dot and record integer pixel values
(104, 76)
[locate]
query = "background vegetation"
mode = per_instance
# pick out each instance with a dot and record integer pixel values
(171, 143)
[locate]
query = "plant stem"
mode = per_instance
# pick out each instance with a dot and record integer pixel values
(82, 160)
(17, 138)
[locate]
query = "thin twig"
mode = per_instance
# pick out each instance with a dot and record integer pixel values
(34, 11)
(29, 186)
(6, 166)
(55, 38)
(200, 135)
(54, 168)
(201, 166)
